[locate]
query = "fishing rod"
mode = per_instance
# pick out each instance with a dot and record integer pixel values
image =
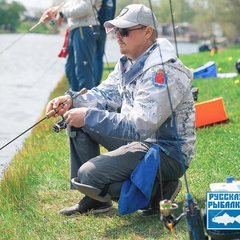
(191, 210)
(47, 116)
(174, 29)
(30, 29)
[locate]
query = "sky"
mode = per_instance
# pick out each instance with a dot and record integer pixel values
(43, 4)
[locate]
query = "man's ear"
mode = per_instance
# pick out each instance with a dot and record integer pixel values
(149, 31)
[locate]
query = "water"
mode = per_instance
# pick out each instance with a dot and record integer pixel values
(29, 71)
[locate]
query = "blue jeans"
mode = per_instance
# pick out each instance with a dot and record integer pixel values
(79, 66)
(98, 55)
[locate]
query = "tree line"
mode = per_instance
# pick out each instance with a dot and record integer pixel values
(204, 15)
(10, 15)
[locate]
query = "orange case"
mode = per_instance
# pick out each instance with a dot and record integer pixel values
(210, 112)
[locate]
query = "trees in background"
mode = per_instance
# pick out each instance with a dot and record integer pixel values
(10, 15)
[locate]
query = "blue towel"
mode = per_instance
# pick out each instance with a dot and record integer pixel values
(136, 192)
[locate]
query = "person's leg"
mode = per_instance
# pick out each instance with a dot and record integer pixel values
(82, 148)
(98, 56)
(84, 145)
(167, 184)
(84, 44)
(113, 166)
(70, 64)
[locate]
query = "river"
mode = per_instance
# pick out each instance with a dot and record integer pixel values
(29, 72)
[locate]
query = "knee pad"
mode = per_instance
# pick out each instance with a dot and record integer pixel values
(90, 191)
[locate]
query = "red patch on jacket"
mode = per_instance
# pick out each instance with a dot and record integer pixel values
(159, 78)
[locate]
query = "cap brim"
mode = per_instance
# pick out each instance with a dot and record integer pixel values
(119, 23)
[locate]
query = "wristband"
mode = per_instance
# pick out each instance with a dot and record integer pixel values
(70, 93)
(61, 15)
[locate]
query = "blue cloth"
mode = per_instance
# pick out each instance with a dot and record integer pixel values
(136, 192)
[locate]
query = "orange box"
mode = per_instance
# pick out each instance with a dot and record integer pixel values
(210, 112)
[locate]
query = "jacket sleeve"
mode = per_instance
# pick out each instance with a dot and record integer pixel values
(106, 96)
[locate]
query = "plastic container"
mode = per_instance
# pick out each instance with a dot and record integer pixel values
(229, 186)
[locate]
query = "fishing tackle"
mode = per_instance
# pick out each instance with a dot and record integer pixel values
(60, 125)
(48, 115)
(166, 216)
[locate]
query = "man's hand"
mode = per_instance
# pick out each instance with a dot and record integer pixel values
(58, 106)
(59, 19)
(49, 14)
(75, 117)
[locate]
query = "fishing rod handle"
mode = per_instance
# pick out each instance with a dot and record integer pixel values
(67, 101)
(54, 111)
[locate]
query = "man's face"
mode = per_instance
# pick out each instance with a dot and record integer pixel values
(132, 41)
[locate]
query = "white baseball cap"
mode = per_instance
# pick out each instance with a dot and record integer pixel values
(132, 15)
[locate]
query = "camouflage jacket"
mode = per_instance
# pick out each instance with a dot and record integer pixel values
(154, 95)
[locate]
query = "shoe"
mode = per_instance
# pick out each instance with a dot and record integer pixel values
(86, 205)
(170, 192)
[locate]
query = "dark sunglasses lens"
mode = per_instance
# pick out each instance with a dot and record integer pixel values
(123, 31)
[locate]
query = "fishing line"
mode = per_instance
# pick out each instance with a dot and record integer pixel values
(174, 29)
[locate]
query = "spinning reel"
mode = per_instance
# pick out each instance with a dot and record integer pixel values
(192, 213)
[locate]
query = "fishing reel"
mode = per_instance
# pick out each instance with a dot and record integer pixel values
(166, 210)
(60, 125)
(193, 216)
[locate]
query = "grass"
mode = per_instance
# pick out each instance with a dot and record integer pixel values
(36, 184)
(41, 28)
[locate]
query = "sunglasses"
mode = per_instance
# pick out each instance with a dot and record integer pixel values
(124, 31)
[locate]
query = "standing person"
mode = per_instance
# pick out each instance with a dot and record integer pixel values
(152, 88)
(82, 26)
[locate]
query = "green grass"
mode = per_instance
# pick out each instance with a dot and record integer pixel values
(36, 184)
(41, 28)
